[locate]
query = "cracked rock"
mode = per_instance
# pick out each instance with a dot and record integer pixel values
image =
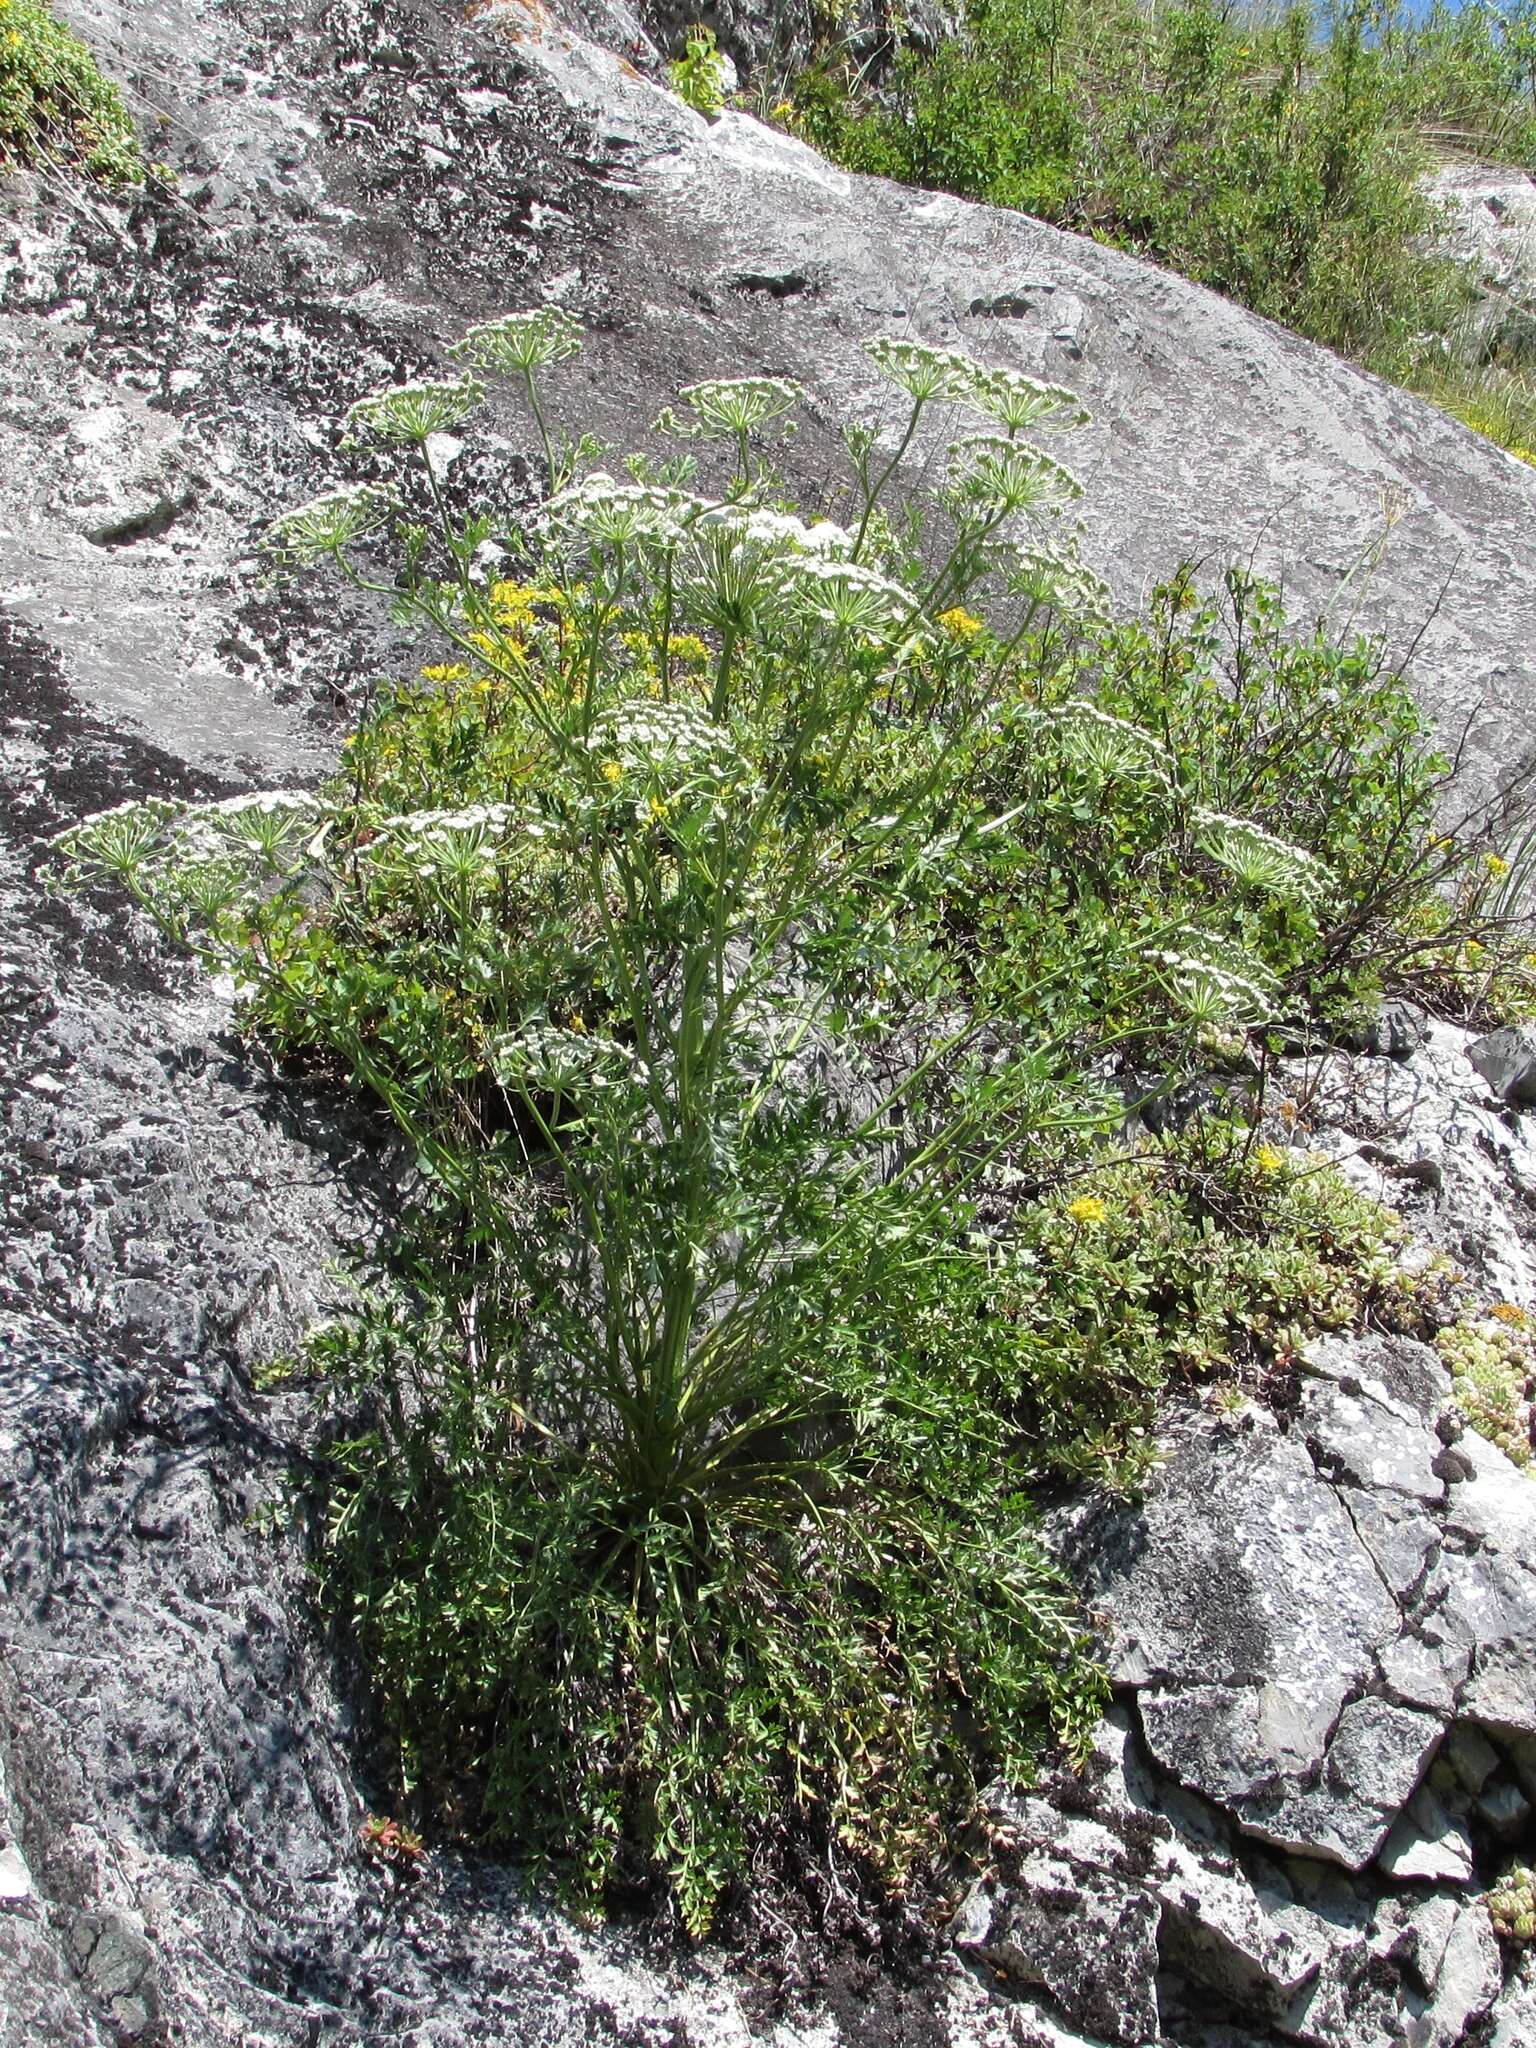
(1088, 1938)
(1427, 1845)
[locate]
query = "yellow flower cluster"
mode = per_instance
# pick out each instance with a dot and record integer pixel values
(1087, 1209)
(960, 624)
(514, 604)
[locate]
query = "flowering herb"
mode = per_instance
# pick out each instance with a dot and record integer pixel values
(407, 415)
(736, 916)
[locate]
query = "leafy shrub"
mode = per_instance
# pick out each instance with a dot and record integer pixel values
(698, 76)
(753, 941)
(1201, 1253)
(1248, 156)
(55, 105)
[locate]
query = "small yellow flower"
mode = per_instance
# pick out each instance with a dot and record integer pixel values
(1087, 1209)
(1267, 1159)
(1508, 1312)
(612, 771)
(960, 624)
(1496, 866)
(658, 809)
(576, 1022)
(444, 672)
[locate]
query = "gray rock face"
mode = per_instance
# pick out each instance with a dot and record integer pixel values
(1489, 224)
(1460, 1169)
(1506, 1060)
(1091, 1942)
(1323, 1633)
(1412, 1564)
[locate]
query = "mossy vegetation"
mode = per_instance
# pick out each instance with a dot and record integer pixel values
(57, 108)
(1277, 157)
(781, 940)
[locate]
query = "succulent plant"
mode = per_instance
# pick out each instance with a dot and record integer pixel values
(1512, 1904)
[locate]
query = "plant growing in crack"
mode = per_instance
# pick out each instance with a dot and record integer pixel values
(750, 921)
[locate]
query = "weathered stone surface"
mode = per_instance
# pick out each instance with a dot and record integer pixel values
(1504, 1810)
(1090, 1940)
(1427, 1845)
(1461, 1171)
(1241, 1569)
(1514, 2021)
(1465, 1984)
(1213, 1928)
(1247, 1613)
(1471, 1756)
(1374, 1758)
(1396, 1031)
(1359, 1430)
(1506, 1059)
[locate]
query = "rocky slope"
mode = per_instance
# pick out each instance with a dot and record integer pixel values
(1321, 1623)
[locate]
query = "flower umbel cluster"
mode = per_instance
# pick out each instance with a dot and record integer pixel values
(328, 524)
(1260, 858)
(517, 344)
(407, 415)
(726, 408)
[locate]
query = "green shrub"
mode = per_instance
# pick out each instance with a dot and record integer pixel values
(1273, 165)
(754, 943)
(1195, 1255)
(55, 105)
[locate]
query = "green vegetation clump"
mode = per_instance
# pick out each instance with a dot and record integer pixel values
(1512, 1905)
(1492, 1360)
(1203, 1254)
(1276, 158)
(698, 76)
(763, 928)
(56, 107)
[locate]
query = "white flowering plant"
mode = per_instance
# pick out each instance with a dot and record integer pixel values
(730, 896)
